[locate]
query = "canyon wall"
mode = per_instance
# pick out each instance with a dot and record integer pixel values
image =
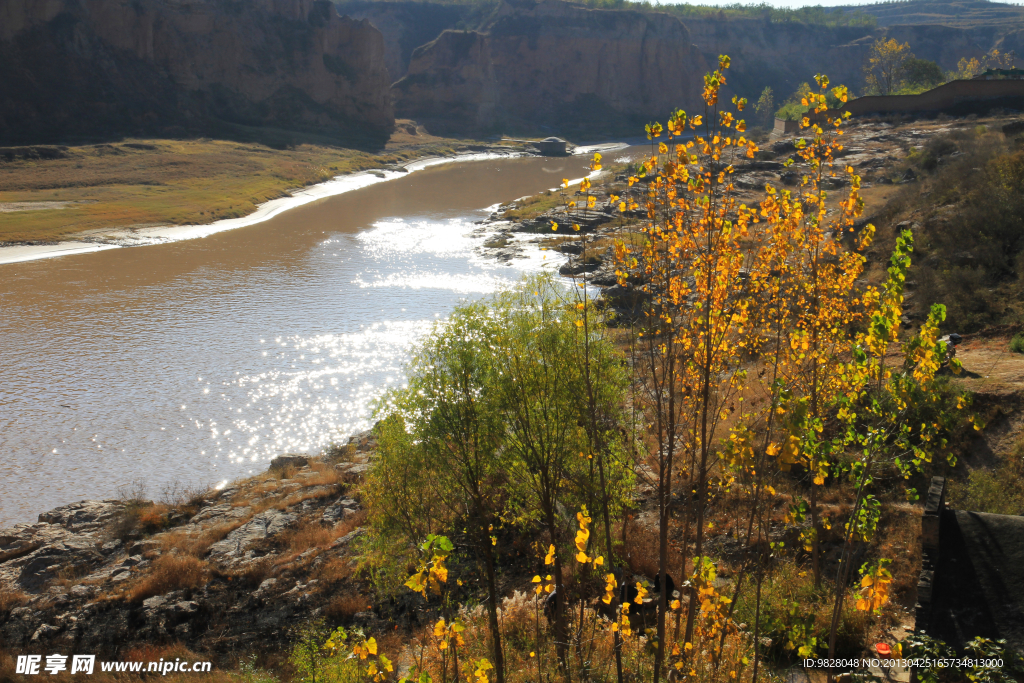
(81, 68)
(407, 25)
(783, 55)
(553, 65)
(550, 65)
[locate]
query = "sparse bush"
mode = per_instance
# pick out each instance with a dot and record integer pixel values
(186, 498)
(316, 661)
(153, 518)
(795, 614)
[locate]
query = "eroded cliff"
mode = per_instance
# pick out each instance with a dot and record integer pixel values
(75, 68)
(529, 65)
(553, 64)
(784, 54)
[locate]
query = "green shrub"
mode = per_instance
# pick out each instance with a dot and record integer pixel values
(998, 491)
(795, 614)
(1017, 343)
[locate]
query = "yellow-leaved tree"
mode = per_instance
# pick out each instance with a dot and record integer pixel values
(886, 65)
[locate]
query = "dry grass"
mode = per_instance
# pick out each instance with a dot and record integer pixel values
(305, 494)
(175, 182)
(153, 518)
(900, 541)
(196, 545)
(10, 599)
(312, 534)
(170, 572)
(335, 571)
(309, 535)
(281, 473)
(344, 606)
(324, 475)
(7, 668)
(531, 207)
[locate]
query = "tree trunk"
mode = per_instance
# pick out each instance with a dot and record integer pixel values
(492, 609)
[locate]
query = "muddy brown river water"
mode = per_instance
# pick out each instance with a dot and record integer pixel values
(197, 361)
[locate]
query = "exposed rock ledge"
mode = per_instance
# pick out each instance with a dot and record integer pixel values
(218, 572)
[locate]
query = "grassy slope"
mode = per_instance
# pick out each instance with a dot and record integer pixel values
(174, 182)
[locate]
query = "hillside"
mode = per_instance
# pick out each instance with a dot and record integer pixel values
(962, 13)
(96, 68)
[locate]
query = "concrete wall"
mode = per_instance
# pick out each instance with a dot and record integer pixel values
(956, 97)
(945, 97)
(784, 127)
(935, 503)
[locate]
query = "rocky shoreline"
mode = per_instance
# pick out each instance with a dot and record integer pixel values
(876, 149)
(218, 571)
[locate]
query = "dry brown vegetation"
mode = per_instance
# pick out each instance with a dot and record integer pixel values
(342, 607)
(153, 518)
(170, 572)
(196, 545)
(10, 599)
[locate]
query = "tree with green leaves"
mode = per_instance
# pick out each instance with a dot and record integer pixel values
(546, 438)
(455, 433)
(765, 106)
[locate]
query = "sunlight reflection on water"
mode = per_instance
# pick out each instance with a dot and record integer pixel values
(330, 381)
(199, 361)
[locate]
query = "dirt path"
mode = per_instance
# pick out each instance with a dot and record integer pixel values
(996, 376)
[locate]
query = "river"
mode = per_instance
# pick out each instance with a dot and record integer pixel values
(196, 362)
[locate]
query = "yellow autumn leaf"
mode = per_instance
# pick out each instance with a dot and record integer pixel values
(582, 537)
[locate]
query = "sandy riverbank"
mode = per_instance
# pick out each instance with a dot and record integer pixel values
(99, 240)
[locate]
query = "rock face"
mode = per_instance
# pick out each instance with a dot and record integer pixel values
(553, 64)
(407, 25)
(94, 67)
(532, 65)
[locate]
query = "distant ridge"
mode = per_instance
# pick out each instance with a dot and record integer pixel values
(959, 13)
